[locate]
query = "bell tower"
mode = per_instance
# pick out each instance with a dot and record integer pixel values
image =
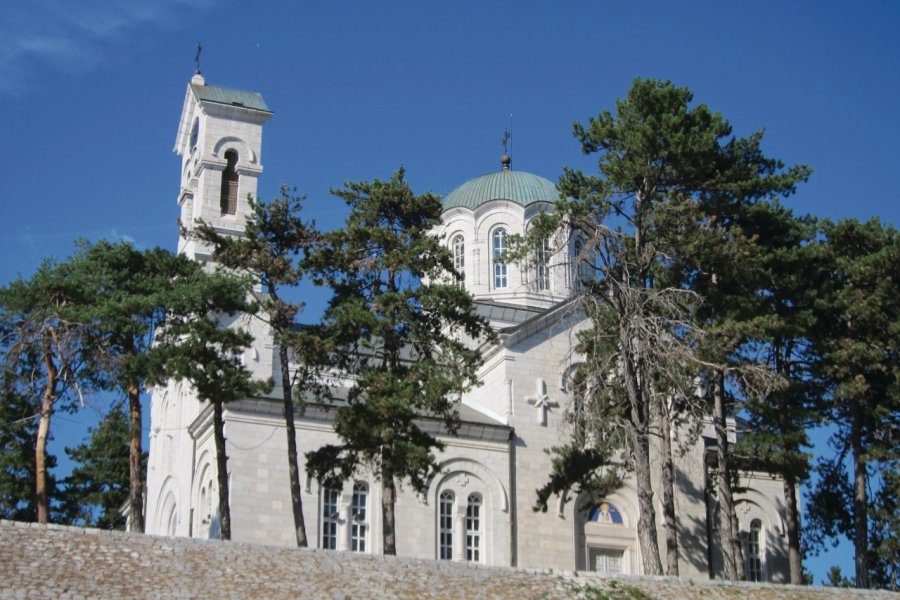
(219, 140)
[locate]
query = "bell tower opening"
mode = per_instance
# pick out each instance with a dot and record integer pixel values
(228, 197)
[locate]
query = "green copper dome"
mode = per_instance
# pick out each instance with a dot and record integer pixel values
(517, 186)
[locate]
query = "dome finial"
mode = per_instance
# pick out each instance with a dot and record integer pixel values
(506, 159)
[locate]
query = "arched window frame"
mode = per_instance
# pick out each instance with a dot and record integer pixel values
(329, 513)
(359, 518)
(446, 503)
(579, 265)
(458, 248)
(195, 134)
(474, 522)
(542, 266)
(206, 494)
(498, 247)
(230, 180)
(754, 551)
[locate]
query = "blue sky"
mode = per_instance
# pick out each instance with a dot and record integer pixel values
(91, 93)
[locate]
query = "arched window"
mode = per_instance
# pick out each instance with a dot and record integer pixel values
(473, 528)
(578, 265)
(458, 247)
(230, 184)
(195, 133)
(445, 526)
(754, 551)
(542, 266)
(172, 518)
(329, 518)
(205, 503)
(359, 517)
(605, 514)
(499, 245)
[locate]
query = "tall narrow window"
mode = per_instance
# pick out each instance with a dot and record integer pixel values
(359, 527)
(754, 554)
(542, 267)
(195, 133)
(445, 526)
(499, 247)
(230, 184)
(473, 528)
(578, 260)
(329, 518)
(205, 505)
(458, 246)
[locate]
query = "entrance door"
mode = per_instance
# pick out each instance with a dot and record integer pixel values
(607, 561)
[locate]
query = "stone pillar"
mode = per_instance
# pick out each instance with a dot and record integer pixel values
(343, 533)
(459, 532)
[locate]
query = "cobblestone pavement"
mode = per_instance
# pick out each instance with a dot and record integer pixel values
(51, 561)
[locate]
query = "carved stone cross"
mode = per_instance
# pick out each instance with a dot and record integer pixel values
(541, 401)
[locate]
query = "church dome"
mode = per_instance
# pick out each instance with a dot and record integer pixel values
(517, 186)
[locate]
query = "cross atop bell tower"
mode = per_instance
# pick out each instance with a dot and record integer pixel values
(219, 140)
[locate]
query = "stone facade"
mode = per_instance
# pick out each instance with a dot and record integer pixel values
(479, 507)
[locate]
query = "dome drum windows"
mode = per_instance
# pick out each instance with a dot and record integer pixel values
(542, 266)
(580, 267)
(499, 245)
(458, 248)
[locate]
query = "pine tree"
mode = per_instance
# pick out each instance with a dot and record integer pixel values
(658, 217)
(402, 325)
(205, 340)
(132, 293)
(18, 431)
(776, 439)
(98, 486)
(859, 342)
(275, 239)
(39, 319)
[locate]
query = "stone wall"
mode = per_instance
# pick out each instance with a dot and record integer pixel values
(51, 561)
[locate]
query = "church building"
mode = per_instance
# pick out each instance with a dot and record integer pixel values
(478, 507)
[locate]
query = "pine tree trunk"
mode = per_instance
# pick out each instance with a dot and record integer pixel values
(860, 500)
(388, 501)
(135, 472)
(739, 564)
(222, 469)
(41, 485)
(792, 523)
(668, 491)
(731, 554)
(646, 525)
(293, 466)
(640, 441)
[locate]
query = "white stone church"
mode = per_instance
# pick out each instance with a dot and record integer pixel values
(478, 508)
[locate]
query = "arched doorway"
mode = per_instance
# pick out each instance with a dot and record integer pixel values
(607, 536)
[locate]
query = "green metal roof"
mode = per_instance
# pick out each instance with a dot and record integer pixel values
(517, 186)
(220, 95)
